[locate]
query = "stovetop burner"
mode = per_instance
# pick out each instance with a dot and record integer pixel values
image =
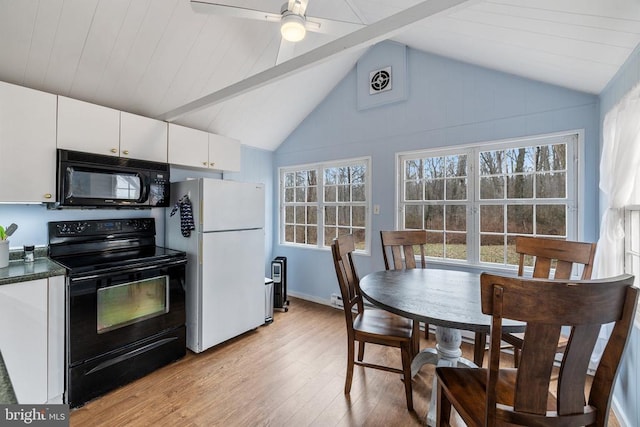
(95, 246)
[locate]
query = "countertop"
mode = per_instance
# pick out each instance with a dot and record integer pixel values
(20, 271)
(7, 395)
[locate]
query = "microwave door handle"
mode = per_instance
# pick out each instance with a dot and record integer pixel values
(146, 188)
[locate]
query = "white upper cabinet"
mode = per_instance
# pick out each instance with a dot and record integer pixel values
(188, 147)
(143, 138)
(199, 149)
(87, 127)
(27, 144)
(224, 153)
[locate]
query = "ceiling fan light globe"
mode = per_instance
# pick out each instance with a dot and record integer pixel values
(292, 27)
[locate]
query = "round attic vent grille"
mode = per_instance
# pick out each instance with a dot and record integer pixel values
(380, 80)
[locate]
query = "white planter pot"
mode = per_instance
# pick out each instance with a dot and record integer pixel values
(4, 253)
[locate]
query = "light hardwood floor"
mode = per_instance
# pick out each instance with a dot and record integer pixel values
(288, 373)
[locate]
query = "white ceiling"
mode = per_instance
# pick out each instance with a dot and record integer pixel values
(152, 57)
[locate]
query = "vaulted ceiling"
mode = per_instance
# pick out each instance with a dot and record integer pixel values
(216, 72)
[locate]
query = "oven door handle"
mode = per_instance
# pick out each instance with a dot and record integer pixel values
(127, 270)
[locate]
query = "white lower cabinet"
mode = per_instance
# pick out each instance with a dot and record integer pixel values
(32, 338)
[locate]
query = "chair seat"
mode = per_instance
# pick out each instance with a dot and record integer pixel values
(468, 385)
(380, 322)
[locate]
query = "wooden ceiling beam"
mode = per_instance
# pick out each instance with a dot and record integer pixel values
(381, 30)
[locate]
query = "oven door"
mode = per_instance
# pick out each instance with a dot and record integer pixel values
(113, 310)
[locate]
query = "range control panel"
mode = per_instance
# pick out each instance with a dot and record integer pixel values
(101, 227)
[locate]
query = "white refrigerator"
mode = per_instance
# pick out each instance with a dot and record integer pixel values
(225, 269)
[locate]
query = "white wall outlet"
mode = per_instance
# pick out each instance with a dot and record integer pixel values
(376, 209)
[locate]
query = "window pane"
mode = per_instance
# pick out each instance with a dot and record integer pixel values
(330, 233)
(434, 167)
(358, 193)
(456, 247)
(344, 215)
(288, 195)
(343, 193)
(492, 188)
(288, 215)
(359, 238)
(520, 187)
(357, 174)
(312, 215)
(343, 231)
(492, 219)
(457, 165)
(413, 217)
(330, 215)
(551, 185)
(491, 162)
(301, 178)
(312, 235)
(312, 194)
(329, 193)
(456, 218)
(512, 256)
(551, 220)
(520, 219)
(300, 215)
(300, 234)
(359, 214)
(492, 248)
(289, 179)
(289, 233)
(413, 191)
(551, 157)
(434, 217)
(300, 194)
(343, 175)
(413, 169)
(435, 247)
(434, 189)
(519, 160)
(456, 189)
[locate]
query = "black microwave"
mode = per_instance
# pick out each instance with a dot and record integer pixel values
(94, 180)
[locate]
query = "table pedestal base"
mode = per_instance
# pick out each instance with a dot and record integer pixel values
(446, 353)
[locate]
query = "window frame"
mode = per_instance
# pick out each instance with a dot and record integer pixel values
(575, 174)
(320, 203)
(632, 247)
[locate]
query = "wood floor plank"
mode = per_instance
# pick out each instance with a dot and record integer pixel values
(288, 373)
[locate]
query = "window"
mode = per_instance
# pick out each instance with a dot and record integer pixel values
(474, 200)
(322, 201)
(632, 244)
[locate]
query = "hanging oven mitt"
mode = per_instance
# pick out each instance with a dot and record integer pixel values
(186, 215)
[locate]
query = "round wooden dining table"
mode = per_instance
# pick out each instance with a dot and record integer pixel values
(448, 299)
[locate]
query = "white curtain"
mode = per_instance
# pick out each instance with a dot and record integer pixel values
(619, 166)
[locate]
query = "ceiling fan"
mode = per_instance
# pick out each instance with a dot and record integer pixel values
(292, 18)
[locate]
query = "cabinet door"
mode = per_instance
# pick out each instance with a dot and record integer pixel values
(224, 153)
(188, 147)
(27, 144)
(143, 138)
(92, 128)
(23, 338)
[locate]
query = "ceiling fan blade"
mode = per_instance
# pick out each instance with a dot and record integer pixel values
(331, 26)
(285, 51)
(233, 11)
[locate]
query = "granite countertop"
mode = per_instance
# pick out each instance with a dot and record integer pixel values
(20, 271)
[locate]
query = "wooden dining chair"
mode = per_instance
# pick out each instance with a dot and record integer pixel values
(553, 258)
(371, 325)
(510, 396)
(398, 246)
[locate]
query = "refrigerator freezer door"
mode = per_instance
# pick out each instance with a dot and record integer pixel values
(232, 284)
(231, 205)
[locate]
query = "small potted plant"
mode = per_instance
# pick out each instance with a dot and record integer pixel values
(4, 248)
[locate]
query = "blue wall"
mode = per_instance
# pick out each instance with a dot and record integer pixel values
(449, 103)
(627, 391)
